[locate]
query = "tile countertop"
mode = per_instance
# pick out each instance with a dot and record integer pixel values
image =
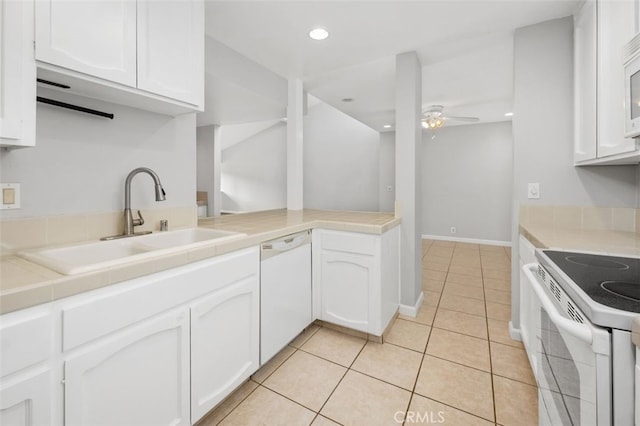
(611, 242)
(596, 241)
(24, 284)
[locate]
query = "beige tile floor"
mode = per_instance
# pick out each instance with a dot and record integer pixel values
(453, 364)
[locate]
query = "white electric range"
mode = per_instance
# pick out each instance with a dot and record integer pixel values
(576, 314)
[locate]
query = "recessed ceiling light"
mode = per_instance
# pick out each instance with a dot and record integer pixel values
(347, 99)
(387, 126)
(509, 114)
(319, 33)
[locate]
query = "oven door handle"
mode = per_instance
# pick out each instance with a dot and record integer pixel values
(580, 331)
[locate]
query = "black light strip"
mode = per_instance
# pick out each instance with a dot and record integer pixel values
(74, 107)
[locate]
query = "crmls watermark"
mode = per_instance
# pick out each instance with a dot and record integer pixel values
(426, 417)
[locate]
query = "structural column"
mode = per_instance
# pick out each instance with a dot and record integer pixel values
(295, 114)
(408, 179)
(216, 200)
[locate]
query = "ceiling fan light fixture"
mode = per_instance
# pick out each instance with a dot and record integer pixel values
(432, 123)
(319, 33)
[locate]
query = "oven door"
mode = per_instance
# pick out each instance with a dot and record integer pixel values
(572, 358)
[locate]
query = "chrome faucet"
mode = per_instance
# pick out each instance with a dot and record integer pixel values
(129, 221)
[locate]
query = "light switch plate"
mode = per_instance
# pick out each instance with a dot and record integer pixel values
(533, 191)
(10, 196)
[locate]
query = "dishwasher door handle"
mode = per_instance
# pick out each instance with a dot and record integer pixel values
(289, 243)
(273, 248)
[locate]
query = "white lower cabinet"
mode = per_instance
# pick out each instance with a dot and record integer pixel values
(26, 387)
(26, 401)
(162, 349)
(224, 342)
(356, 278)
(139, 376)
(348, 289)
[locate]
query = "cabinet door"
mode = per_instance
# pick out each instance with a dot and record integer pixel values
(171, 49)
(95, 37)
(224, 343)
(616, 25)
(26, 401)
(585, 42)
(347, 286)
(17, 74)
(139, 376)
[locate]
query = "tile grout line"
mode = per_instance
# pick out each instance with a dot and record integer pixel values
(425, 355)
(493, 387)
(338, 384)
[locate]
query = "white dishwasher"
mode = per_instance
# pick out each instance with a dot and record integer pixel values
(285, 291)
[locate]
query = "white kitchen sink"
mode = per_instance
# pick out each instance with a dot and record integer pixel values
(87, 257)
(192, 237)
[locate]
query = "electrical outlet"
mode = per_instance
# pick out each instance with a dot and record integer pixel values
(453, 230)
(10, 196)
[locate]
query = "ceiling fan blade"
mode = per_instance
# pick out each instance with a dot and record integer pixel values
(469, 119)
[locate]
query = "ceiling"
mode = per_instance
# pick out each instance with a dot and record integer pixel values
(465, 48)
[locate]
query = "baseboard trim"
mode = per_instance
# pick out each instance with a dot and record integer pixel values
(468, 240)
(412, 311)
(514, 333)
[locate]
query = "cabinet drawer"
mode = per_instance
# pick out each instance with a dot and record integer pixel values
(349, 242)
(87, 317)
(26, 338)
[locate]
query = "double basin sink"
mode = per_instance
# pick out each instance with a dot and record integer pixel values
(87, 257)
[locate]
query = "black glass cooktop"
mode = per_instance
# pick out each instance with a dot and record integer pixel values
(608, 280)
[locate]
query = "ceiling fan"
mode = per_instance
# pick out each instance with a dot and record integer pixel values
(434, 118)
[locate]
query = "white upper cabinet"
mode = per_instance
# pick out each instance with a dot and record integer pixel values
(616, 26)
(585, 64)
(17, 75)
(147, 54)
(97, 38)
(601, 29)
(171, 49)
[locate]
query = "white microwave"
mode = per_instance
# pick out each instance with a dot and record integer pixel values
(632, 88)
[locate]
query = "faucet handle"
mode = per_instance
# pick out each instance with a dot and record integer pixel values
(140, 221)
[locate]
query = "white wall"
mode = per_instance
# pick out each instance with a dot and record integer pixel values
(80, 162)
(387, 170)
(341, 165)
(340, 161)
(466, 181)
(543, 135)
(254, 172)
